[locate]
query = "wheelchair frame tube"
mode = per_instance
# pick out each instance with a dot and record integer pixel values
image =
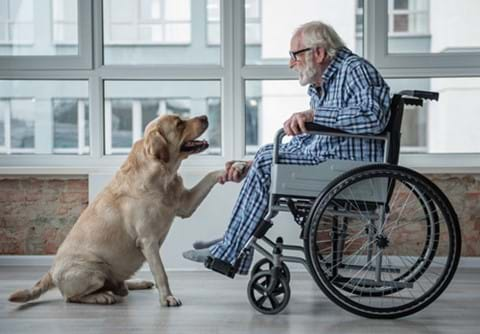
(281, 133)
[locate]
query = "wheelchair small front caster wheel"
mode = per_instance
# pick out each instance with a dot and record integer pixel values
(267, 294)
(267, 265)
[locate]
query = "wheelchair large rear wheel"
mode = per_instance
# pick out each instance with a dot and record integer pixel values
(382, 241)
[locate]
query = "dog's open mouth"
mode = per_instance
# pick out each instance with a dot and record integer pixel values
(194, 146)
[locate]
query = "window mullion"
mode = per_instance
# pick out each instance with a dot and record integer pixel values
(239, 82)
(229, 132)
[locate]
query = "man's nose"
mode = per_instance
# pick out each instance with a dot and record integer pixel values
(291, 63)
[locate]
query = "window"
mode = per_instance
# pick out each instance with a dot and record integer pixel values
(81, 97)
(408, 17)
(71, 126)
(18, 123)
(268, 104)
(44, 117)
(131, 105)
(16, 22)
(156, 32)
(253, 19)
(27, 28)
(65, 22)
(422, 26)
(147, 22)
(213, 22)
(269, 26)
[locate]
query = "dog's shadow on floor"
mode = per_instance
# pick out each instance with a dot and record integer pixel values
(27, 306)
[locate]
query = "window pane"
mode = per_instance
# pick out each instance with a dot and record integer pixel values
(122, 11)
(269, 103)
(268, 34)
(22, 123)
(159, 32)
(71, 125)
(429, 27)
(21, 10)
(445, 126)
(150, 9)
(400, 4)
(44, 117)
(38, 28)
(131, 105)
(213, 33)
(122, 135)
(177, 10)
(213, 10)
(3, 115)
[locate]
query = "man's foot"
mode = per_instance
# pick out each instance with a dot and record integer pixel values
(201, 244)
(197, 255)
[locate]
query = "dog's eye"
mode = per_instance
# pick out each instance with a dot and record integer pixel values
(180, 125)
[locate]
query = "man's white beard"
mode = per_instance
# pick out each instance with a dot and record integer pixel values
(307, 75)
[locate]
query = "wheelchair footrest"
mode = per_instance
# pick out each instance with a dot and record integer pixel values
(220, 266)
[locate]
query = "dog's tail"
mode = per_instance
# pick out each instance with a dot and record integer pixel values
(42, 286)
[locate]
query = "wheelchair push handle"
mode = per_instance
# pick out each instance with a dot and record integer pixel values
(422, 94)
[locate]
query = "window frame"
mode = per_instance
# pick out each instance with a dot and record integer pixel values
(83, 60)
(138, 21)
(451, 64)
(232, 72)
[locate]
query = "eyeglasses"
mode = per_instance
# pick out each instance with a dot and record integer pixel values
(293, 54)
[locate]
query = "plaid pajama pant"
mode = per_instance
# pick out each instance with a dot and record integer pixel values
(252, 203)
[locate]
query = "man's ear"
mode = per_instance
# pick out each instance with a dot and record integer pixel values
(320, 55)
(156, 146)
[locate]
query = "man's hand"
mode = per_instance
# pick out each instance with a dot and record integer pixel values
(235, 171)
(296, 123)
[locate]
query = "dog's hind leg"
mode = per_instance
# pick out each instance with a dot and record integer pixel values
(139, 285)
(86, 287)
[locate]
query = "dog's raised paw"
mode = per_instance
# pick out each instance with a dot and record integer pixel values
(240, 166)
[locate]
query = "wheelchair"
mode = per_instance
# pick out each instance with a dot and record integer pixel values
(380, 240)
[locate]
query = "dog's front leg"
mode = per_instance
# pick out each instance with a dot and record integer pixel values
(191, 199)
(151, 251)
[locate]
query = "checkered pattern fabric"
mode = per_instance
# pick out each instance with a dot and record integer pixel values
(354, 98)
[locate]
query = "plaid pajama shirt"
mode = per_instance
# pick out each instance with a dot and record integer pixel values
(353, 98)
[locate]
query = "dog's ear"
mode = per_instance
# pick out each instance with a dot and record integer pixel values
(156, 146)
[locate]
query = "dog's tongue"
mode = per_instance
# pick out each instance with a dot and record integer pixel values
(195, 145)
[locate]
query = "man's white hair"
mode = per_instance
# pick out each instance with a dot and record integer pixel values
(319, 34)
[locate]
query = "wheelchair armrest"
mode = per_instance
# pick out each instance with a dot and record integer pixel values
(317, 129)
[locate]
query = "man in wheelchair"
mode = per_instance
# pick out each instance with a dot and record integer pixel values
(380, 240)
(347, 93)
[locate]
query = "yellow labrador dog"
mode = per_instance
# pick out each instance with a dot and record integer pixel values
(128, 221)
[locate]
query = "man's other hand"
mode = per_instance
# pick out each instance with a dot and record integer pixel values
(296, 123)
(235, 171)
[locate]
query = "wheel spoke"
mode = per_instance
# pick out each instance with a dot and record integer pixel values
(384, 255)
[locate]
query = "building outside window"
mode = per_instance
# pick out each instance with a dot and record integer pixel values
(16, 22)
(148, 22)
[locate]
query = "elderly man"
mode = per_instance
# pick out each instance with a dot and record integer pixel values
(346, 92)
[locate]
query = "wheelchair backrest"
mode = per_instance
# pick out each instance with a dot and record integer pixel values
(393, 127)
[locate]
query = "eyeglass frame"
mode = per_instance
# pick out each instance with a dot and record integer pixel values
(293, 54)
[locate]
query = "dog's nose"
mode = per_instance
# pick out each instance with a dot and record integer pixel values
(203, 119)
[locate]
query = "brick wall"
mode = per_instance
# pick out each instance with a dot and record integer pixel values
(37, 212)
